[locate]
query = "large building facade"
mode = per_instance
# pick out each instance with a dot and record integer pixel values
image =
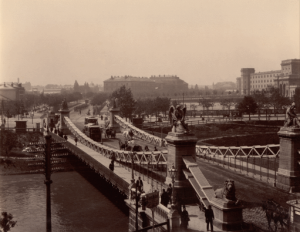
(11, 91)
(144, 85)
(286, 79)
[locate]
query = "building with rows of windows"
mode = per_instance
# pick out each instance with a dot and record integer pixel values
(286, 79)
(166, 84)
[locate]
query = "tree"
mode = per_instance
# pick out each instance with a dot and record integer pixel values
(247, 105)
(76, 87)
(6, 221)
(99, 98)
(206, 103)
(193, 107)
(297, 99)
(126, 101)
(10, 140)
(277, 101)
(261, 101)
(227, 102)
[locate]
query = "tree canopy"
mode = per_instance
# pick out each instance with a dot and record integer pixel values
(247, 105)
(125, 101)
(297, 99)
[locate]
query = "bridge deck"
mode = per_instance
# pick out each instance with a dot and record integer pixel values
(197, 218)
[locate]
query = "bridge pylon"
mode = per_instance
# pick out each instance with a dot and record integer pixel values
(113, 124)
(179, 146)
(288, 175)
(64, 112)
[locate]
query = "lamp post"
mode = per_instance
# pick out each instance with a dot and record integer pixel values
(132, 162)
(172, 173)
(32, 114)
(136, 192)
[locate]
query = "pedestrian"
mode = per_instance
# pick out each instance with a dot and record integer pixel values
(184, 218)
(169, 192)
(163, 198)
(65, 137)
(76, 140)
(139, 184)
(155, 149)
(209, 217)
(101, 117)
(112, 166)
(146, 148)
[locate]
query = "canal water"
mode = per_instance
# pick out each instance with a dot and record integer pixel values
(76, 204)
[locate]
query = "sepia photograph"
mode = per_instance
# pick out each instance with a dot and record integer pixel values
(149, 116)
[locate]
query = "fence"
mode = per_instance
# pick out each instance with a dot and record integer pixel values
(259, 162)
(140, 133)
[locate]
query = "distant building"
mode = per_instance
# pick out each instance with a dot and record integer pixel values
(224, 85)
(286, 79)
(140, 85)
(11, 91)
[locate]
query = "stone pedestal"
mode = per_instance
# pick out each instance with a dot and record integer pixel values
(113, 125)
(174, 218)
(63, 127)
(228, 216)
(288, 175)
(180, 145)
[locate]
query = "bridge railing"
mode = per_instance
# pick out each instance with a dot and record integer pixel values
(153, 157)
(260, 162)
(140, 133)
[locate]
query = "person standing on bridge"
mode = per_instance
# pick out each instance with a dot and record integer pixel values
(139, 184)
(209, 217)
(169, 192)
(75, 140)
(184, 218)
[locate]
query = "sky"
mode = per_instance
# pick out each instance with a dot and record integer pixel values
(201, 41)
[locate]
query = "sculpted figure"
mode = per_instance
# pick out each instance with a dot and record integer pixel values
(227, 193)
(177, 117)
(64, 105)
(116, 103)
(291, 117)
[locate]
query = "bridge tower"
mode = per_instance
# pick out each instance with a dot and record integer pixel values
(113, 125)
(64, 112)
(288, 176)
(180, 144)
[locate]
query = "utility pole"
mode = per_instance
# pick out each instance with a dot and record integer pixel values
(48, 181)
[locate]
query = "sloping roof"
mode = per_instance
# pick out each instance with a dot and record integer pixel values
(128, 78)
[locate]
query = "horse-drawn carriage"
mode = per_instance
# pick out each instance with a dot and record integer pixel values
(110, 133)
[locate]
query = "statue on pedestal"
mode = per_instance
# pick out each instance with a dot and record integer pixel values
(227, 193)
(64, 105)
(177, 119)
(116, 103)
(291, 117)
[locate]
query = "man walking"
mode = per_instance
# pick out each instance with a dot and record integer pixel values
(209, 217)
(139, 184)
(169, 192)
(76, 140)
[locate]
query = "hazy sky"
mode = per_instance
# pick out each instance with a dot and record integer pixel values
(201, 41)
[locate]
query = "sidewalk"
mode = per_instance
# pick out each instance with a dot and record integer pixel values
(197, 219)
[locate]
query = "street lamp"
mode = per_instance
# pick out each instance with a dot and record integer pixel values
(172, 173)
(32, 114)
(132, 162)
